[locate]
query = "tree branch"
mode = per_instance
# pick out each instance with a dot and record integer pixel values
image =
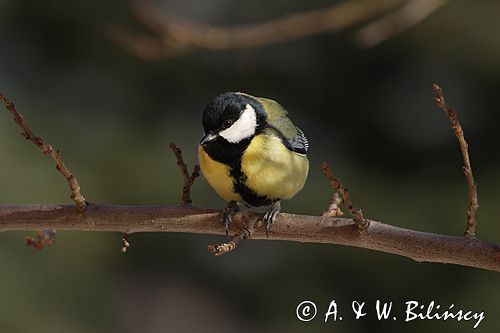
(176, 36)
(333, 209)
(43, 238)
(470, 230)
(47, 149)
(188, 178)
(220, 249)
(356, 213)
(417, 245)
(396, 22)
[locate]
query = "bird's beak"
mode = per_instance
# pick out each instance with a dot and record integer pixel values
(207, 138)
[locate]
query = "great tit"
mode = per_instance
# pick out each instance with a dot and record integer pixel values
(252, 153)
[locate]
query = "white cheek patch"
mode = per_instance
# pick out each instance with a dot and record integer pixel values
(243, 128)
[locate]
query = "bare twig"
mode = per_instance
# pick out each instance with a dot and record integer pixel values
(188, 178)
(356, 213)
(220, 249)
(396, 22)
(243, 233)
(43, 238)
(417, 245)
(125, 243)
(334, 207)
(470, 230)
(177, 36)
(47, 149)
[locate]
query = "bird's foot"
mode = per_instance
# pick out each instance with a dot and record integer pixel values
(227, 214)
(271, 215)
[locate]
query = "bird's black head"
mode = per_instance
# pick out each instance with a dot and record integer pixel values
(232, 118)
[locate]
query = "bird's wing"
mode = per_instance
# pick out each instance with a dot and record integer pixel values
(277, 119)
(300, 143)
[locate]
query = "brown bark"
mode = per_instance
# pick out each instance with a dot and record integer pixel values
(417, 245)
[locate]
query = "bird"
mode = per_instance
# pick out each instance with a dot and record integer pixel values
(252, 153)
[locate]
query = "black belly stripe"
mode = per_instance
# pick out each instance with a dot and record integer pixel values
(246, 193)
(230, 154)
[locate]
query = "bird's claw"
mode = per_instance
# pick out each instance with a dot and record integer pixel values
(271, 215)
(227, 215)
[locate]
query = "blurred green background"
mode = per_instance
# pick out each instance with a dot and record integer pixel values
(369, 112)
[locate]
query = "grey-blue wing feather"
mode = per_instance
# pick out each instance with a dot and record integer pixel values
(299, 143)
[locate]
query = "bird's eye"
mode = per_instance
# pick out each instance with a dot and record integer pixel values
(227, 123)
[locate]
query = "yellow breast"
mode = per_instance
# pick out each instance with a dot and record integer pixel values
(217, 175)
(272, 170)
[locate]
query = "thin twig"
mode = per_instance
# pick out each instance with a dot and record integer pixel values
(243, 233)
(220, 249)
(396, 22)
(334, 207)
(176, 36)
(470, 230)
(125, 243)
(43, 238)
(357, 214)
(188, 178)
(47, 149)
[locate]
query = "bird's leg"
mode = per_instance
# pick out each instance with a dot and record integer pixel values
(227, 214)
(271, 214)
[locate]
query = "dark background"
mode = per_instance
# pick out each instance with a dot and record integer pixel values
(369, 112)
